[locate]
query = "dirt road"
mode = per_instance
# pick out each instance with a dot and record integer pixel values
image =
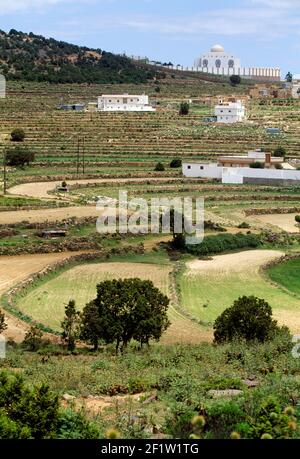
(41, 190)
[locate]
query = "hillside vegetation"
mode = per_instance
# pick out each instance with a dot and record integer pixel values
(35, 58)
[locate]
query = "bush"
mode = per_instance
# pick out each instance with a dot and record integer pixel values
(184, 108)
(26, 413)
(33, 340)
(278, 166)
(257, 165)
(235, 80)
(175, 163)
(280, 152)
(159, 167)
(224, 242)
(249, 319)
(19, 156)
(244, 225)
(297, 218)
(17, 135)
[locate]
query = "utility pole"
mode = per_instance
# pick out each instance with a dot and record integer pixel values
(83, 155)
(4, 173)
(78, 152)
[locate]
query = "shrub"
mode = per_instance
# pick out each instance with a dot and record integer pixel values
(17, 135)
(270, 421)
(278, 166)
(224, 242)
(26, 413)
(19, 156)
(33, 339)
(250, 319)
(235, 80)
(280, 152)
(257, 165)
(297, 218)
(75, 426)
(184, 108)
(159, 167)
(175, 163)
(244, 225)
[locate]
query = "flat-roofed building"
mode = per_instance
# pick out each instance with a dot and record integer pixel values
(124, 103)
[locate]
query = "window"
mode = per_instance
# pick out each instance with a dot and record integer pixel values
(189, 167)
(218, 63)
(205, 63)
(231, 63)
(201, 167)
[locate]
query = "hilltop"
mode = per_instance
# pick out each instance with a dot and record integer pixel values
(33, 57)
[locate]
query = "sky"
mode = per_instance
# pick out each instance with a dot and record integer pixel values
(259, 32)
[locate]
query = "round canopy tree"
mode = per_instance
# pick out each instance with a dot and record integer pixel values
(250, 318)
(123, 310)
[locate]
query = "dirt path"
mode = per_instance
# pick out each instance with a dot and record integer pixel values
(285, 222)
(250, 260)
(16, 269)
(50, 215)
(41, 190)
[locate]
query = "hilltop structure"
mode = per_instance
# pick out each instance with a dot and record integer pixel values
(218, 61)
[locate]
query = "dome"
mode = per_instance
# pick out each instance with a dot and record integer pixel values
(217, 49)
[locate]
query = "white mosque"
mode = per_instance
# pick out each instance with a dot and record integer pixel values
(219, 62)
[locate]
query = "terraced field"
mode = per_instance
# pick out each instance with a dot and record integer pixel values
(118, 144)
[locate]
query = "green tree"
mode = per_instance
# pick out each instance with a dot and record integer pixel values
(91, 325)
(159, 167)
(250, 318)
(71, 325)
(3, 325)
(17, 135)
(19, 156)
(175, 163)
(125, 309)
(184, 108)
(33, 339)
(289, 77)
(235, 80)
(280, 152)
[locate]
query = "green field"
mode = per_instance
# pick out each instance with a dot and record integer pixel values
(206, 292)
(287, 274)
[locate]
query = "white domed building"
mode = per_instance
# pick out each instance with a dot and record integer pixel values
(219, 62)
(217, 59)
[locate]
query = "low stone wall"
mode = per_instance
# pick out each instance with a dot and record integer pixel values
(269, 181)
(278, 210)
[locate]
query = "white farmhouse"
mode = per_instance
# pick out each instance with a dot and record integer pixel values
(124, 103)
(296, 87)
(230, 112)
(236, 169)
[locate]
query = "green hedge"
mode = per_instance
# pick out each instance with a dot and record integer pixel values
(224, 242)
